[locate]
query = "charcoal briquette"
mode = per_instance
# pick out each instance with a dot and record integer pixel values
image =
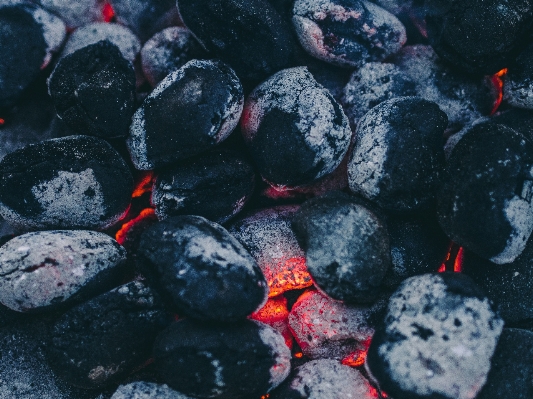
(518, 82)
(76, 14)
(232, 361)
(146, 390)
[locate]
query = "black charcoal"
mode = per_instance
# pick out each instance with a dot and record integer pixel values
(222, 361)
(485, 200)
(77, 13)
(101, 341)
(45, 269)
(398, 155)
(93, 90)
(216, 186)
(146, 390)
(439, 335)
(294, 128)
(347, 247)
(72, 182)
(205, 272)
(518, 82)
(192, 110)
(347, 33)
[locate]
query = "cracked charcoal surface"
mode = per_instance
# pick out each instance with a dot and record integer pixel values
(215, 185)
(518, 86)
(324, 379)
(268, 236)
(73, 182)
(347, 34)
(192, 110)
(167, 51)
(294, 129)
(66, 266)
(222, 361)
(511, 371)
(23, 52)
(205, 272)
(146, 390)
(75, 14)
(463, 32)
(93, 90)
(102, 340)
(249, 35)
(372, 84)
(398, 156)
(347, 247)
(119, 35)
(439, 335)
(485, 202)
(325, 328)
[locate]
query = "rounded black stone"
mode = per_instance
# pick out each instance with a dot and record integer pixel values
(23, 52)
(215, 185)
(347, 247)
(101, 341)
(75, 182)
(485, 200)
(243, 360)
(93, 90)
(205, 272)
(249, 35)
(398, 156)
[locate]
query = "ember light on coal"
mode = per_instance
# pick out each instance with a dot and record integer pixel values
(318, 199)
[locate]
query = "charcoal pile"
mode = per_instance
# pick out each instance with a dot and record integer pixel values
(252, 199)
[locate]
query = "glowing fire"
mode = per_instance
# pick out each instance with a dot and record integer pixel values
(276, 314)
(458, 263)
(454, 259)
(144, 184)
(108, 12)
(122, 234)
(358, 357)
(497, 82)
(293, 275)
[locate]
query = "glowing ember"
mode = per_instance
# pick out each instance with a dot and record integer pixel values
(108, 12)
(122, 234)
(265, 396)
(276, 314)
(144, 184)
(293, 275)
(298, 355)
(453, 260)
(358, 357)
(458, 264)
(2, 121)
(497, 82)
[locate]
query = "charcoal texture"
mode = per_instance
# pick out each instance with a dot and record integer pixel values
(216, 186)
(485, 201)
(249, 35)
(101, 341)
(518, 87)
(76, 14)
(146, 390)
(213, 361)
(439, 335)
(203, 270)
(93, 90)
(398, 156)
(192, 110)
(73, 182)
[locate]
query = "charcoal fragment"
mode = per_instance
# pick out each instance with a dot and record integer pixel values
(204, 271)
(75, 182)
(93, 90)
(222, 361)
(439, 335)
(77, 13)
(146, 390)
(192, 110)
(518, 82)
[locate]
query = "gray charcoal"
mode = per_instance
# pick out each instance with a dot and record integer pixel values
(397, 7)
(439, 335)
(347, 33)
(518, 82)
(146, 390)
(76, 13)
(44, 269)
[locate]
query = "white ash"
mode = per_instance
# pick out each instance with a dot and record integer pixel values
(136, 142)
(122, 37)
(146, 390)
(518, 92)
(76, 13)
(282, 354)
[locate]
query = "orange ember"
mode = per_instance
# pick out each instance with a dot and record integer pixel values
(293, 276)
(144, 184)
(497, 82)
(265, 396)
(442, 268)
(276, 314)
(298, 355)
(108, 12)
(458, 264)
(122, 234)
(2, 121)
(358, 357)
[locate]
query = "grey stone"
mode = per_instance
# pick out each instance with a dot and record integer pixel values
(146, 390)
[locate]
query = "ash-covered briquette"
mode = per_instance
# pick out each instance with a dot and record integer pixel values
(324, 379)
(372, 84)
(268, 236)
(106, 338)
(518, 81)
(203, 270)
(23, 52)
(128, 44)
(249, 35)
(463, 98)
(167, 51)
(147, 390)
(418, 246)
(439, 334)
(75, 182)
(192, 110)
(215, 185)
(485, 200)
(349, 33)
(347, 247)
(76, 13)
(232, 361)
(479, 36)
(294, 128)
(42, 270)
(398, 156)
(325, 328)
(511, 373)
(93, 90)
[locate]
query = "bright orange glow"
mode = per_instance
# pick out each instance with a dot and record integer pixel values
(298, 355)
(108, 12)
(458, 264)
(374, 393)
(265, 396)
(144, 184)
(122, 234)
(293, 275)
(497, 82)
(442, 268)
(358, 357)
(276, 314)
